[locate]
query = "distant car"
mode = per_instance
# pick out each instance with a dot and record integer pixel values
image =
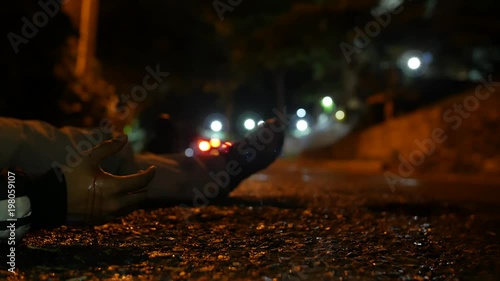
(208, 147)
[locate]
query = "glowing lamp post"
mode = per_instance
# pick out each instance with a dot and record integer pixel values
(216, 126)
(414, 63)
(249, 124)
(327, 104)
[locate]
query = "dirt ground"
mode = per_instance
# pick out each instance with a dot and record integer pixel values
(278, 228)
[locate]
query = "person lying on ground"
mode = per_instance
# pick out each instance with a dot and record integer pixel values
(62, 176)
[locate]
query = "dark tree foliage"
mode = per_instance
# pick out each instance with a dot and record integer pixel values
(29, 87)
(227, 65)
(39, 81)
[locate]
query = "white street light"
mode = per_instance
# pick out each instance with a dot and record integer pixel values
(189, 152)
(414, 63)
(327, 101)
(301, 112)
(302, 125)
(249, 124)
(216, 126)
(340, 115)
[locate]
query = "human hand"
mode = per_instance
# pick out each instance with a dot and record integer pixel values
(95, 195)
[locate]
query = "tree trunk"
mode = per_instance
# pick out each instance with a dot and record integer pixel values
(87, 40)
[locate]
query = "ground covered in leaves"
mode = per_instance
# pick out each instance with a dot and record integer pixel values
(278, 229)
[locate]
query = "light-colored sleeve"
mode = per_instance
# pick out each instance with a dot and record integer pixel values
(37, 146)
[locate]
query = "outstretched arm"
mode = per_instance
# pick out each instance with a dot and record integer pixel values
(86, 194)
(37, 146)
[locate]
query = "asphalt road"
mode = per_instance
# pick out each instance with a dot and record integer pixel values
(287, 225)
